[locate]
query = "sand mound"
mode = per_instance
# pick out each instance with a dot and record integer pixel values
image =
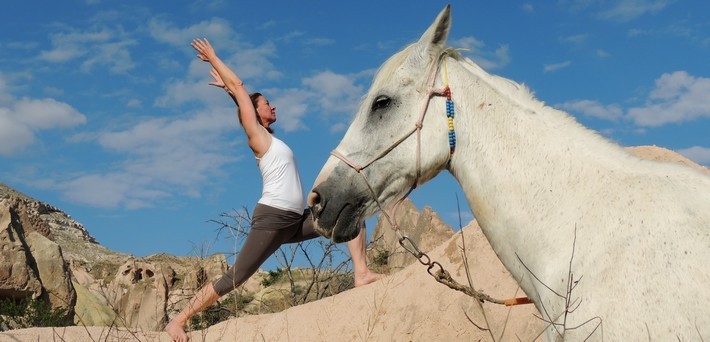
(406, 306)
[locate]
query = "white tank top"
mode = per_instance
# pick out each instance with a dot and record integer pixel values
(282, 183)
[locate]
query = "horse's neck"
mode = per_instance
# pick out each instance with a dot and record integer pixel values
(520, 162)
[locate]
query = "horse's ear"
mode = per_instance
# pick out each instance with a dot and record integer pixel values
(437, 33)
(433, 41)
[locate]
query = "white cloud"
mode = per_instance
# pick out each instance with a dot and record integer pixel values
(5, 95)
(579, 4)
(698, 154)
(486, 58)
(100, 47)
(557, 66)
(454, 216)
(677, 31)
(181, 92)
(53, 91)
(292, 105)
(593, 109)
(157, 136)
(527, 7)
(290, 36)
(331, 93)
(44, 114)
(254, 63)
(21, 119)
(134, 103)
(338, 127)
(13, 136)
(61, 54)
(115, 56)
(163, 157)
(335, 93)
(266, 25)
(201, 5)
(620, 10)
(677, 97)
(195, 87)
(110, 190)
(625, 10)
(215, 30)
(601, 53)
(469, 42)
(73, 44)
(578, 39)
(320, 41)
(21, 45)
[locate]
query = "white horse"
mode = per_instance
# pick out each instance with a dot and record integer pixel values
(607, 245)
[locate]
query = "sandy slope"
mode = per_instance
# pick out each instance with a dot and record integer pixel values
(407, 306)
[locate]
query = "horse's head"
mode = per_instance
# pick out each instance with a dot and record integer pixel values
(378, 143)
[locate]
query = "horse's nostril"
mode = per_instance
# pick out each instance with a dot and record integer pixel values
(313, 199)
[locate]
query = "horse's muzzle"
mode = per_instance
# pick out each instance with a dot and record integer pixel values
(336, 214)
(314, 203)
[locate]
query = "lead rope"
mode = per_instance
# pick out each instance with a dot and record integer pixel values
(441, 275)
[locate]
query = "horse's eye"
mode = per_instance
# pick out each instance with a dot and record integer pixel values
(381, 102)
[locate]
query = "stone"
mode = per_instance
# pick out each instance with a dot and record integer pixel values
(18, 279)
(426, 229)
(53, 272)
(140, 293)
(92, 309)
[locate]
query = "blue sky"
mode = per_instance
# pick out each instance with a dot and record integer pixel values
(106, 113)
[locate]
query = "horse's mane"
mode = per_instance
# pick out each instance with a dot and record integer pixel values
(517, 93)
(524, 97)
(506, 86)
(514, 90)
(391, 64)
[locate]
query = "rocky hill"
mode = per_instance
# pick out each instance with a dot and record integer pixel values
(46, 255)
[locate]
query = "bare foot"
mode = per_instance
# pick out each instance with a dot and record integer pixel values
(176, 331)
(367, 278)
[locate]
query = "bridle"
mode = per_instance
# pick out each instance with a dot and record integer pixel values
(392, 220)
(441, 275)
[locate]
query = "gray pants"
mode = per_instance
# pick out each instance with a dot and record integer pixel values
(271, 227)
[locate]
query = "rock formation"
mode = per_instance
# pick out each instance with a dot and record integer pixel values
(426, 230)
(46, 255)
(32, 263)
